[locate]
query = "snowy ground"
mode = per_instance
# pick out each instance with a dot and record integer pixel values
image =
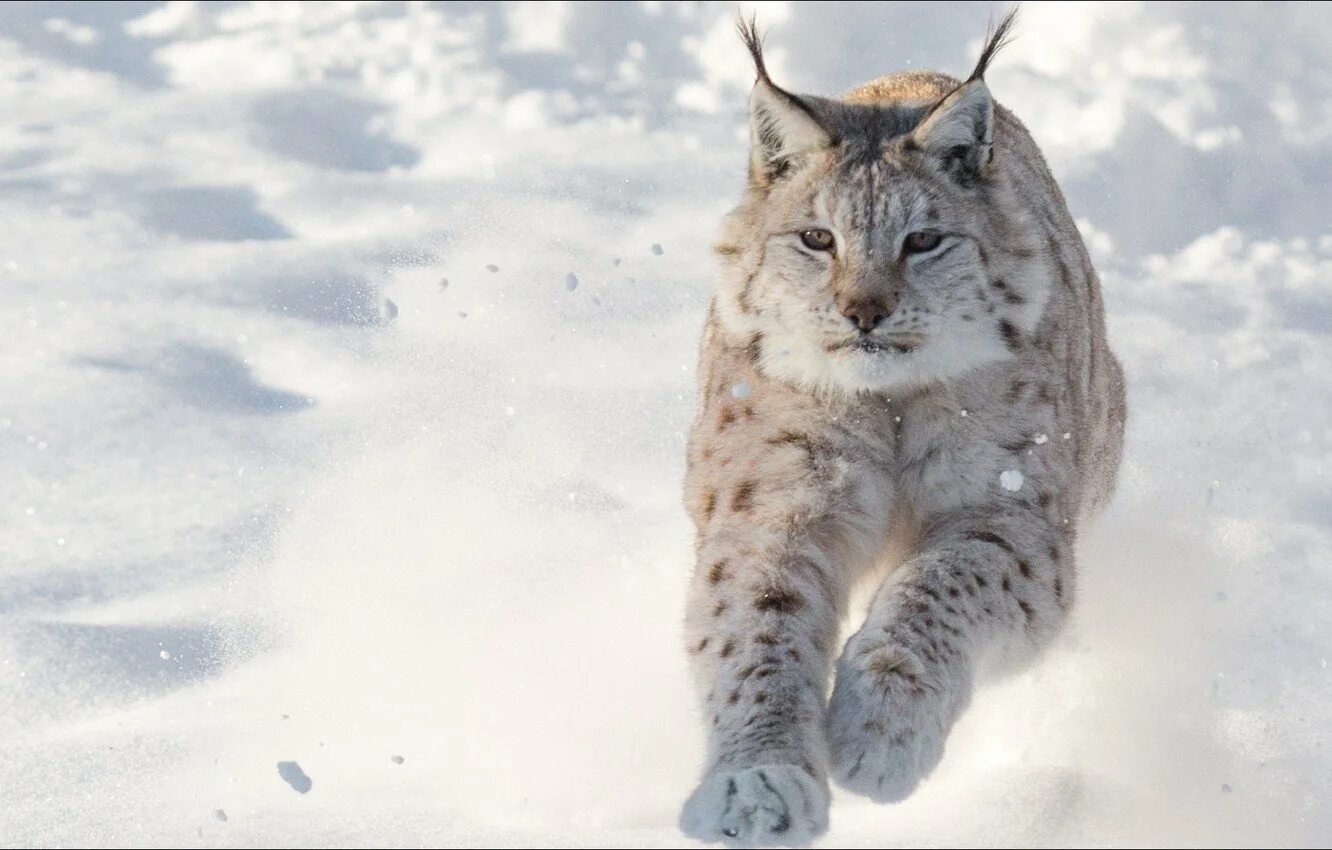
(274, 491)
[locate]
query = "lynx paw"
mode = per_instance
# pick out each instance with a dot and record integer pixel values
(887, 721)
(766, 805)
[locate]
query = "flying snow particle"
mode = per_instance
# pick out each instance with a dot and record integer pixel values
(1011, 480)
(292, 774)
(491, 267)
(616, 262)
(1225, 788)
(443, 283)
(397, 759)
(219, 815)
(166, 656)
(1068, 435)
(657, 249)
(571, 281)
(740, 390)
(462, 315)
(1040, 439)
(964, 412)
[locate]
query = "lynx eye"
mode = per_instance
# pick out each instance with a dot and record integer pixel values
(817, 239)
(921, 241)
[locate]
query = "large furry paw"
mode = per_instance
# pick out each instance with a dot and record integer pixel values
(887, 720)
(757, 806)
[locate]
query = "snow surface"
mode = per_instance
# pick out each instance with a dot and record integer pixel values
(247, 519)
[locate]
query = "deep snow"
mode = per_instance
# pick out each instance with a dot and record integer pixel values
(347, 361)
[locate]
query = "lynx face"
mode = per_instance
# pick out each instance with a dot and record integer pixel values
(877, 248)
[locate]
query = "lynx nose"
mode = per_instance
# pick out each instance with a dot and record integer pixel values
(865, 313)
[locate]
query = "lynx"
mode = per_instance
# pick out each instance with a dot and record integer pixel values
(904, 376)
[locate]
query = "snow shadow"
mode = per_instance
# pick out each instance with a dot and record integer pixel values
(217, 551)
(86, 35)
(327, 129)
(209, 379)
(208, 213)
(328, 297)
(1311, 311)
(67, 668)
(130, 655)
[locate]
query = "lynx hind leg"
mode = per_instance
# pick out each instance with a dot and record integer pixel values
(889, 715)
(906, 676)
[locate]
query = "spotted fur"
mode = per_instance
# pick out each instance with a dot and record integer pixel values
(850, 444)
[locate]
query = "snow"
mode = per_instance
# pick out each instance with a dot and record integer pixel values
(1011, 480)
(354, 537)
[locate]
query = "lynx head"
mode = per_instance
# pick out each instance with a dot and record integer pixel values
(880, 244)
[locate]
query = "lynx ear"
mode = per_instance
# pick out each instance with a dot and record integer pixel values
(781, 125)
(959, 131)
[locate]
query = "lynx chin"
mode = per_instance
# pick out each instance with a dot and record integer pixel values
(904, 370)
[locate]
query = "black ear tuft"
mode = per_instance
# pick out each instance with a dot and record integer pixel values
(958, 131)
(783, 125)
(995, 40)
(749, 34)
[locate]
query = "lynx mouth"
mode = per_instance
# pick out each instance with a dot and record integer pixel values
(896, 344)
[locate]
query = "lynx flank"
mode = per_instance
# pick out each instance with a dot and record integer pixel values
(905, 365)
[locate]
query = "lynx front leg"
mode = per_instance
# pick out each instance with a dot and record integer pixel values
(762, 626)
(981, 586)
(785, 514)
